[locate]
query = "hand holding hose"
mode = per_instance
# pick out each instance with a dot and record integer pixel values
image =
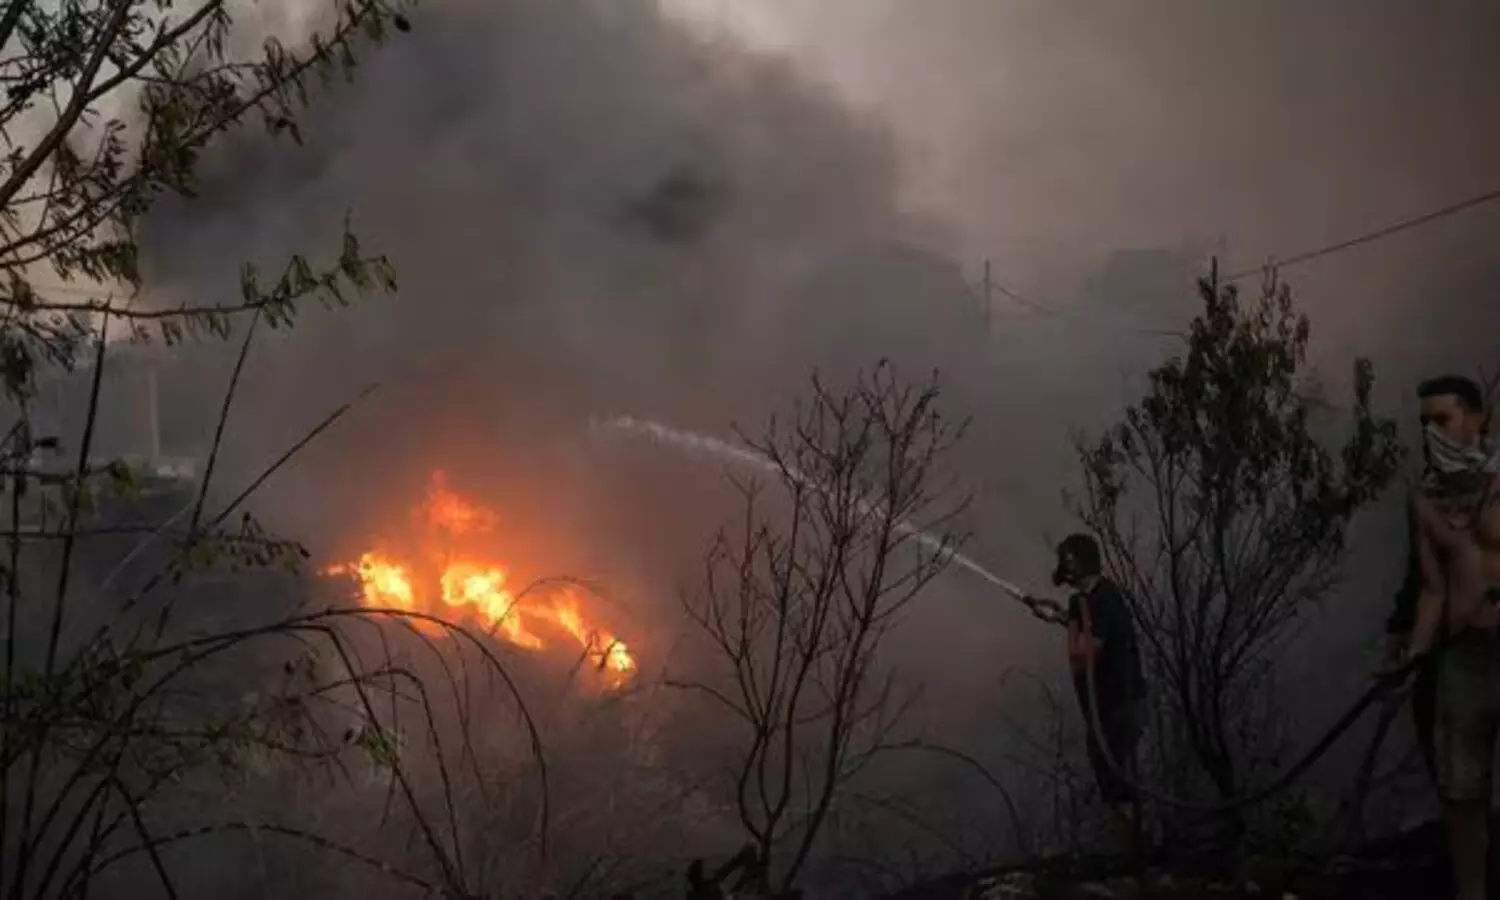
(1393, 674)
(1389, 678)
(1046, 610)
(1395, 677)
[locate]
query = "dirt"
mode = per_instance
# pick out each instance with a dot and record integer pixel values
(1407, 866)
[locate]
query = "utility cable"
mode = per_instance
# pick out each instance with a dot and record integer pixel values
(1053, 311)
(1368, 237)
(1274, 264)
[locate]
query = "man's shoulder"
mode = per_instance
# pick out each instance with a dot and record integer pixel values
(1108, 591)
(1111, 604)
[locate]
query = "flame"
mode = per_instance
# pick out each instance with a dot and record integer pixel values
(445, 510)
(435, 580)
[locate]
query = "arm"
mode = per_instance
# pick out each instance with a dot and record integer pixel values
(1487, 616)
(1432, 594)
(1078, 632)
(1488, 522)
(1075, 641)
(1085, 645)
(1102, 622)
(1046, 610)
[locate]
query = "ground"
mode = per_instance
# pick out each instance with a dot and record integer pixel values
(1404, 867)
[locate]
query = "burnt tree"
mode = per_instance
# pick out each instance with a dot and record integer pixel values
(1219, 507)
(797, 601)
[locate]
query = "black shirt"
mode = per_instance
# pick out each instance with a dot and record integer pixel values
(1117, 669)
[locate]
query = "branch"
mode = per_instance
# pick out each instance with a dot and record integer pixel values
(119, 12)
(151, 845)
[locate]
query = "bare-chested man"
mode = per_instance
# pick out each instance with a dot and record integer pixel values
(1456, 511)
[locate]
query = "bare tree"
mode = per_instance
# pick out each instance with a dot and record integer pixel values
(1218, 506)
(797, 603)
(1490, 381)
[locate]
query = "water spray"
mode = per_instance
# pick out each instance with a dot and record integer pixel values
(1043, 609)
(701, 443)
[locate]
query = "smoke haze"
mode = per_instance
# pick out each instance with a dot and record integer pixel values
(594, 208)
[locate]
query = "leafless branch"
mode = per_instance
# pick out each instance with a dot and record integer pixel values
(797, 603)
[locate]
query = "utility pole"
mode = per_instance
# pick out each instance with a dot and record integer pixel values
(985, 299)
(153, 414)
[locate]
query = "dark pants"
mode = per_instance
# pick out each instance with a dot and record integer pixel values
(1121, 723)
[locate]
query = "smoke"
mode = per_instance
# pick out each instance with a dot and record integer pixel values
(1081, 130)
(657, 432)
(592, 210)
(589, 212)
(1052, 136)
(586, 210)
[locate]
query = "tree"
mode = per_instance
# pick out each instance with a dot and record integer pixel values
(110, 708)
(74, 196)
(1218, 506)
(1490, 381)
(796, 604)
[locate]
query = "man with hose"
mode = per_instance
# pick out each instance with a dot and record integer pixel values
(1101, 634)
(1456, 509)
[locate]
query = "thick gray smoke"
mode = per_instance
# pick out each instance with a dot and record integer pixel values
(591, 212)
(1054, 136)
(587, 212)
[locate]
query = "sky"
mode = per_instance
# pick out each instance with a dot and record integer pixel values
(598, 208)
(1046, 136)
(527, 140)
(1276, 125)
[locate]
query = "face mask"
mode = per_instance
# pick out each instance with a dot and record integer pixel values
(1445, 456)
(1063, 574)
(1455, 469)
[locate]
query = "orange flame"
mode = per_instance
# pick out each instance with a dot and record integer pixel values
(442, 585)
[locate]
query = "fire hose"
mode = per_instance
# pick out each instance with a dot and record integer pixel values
(1050, 612)
(1382, 684)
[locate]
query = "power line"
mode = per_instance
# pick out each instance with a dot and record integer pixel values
(990, 284)
(1387, 231)
(1296, 259)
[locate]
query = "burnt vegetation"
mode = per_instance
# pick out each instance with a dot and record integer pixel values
(126, 712)
(179, 705)
(797, 601)
(1219, 507)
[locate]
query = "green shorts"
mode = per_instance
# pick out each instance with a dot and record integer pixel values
(1466, 720)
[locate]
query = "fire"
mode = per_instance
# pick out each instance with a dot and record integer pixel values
(444, 576)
